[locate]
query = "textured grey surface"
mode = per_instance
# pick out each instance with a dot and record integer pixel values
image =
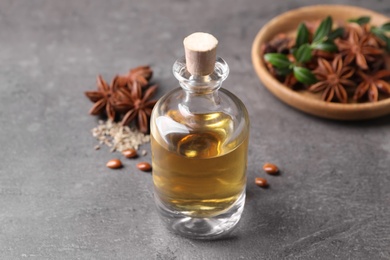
(57, 199)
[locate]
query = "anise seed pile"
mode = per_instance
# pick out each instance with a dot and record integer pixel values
(347, 64)
(127, 98)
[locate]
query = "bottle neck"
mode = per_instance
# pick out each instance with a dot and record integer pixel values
(200, 85)
(197, 84)
(200, 92)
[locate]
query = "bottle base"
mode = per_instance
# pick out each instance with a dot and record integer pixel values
(214, 227)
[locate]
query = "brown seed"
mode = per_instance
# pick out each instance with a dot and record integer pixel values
(270, 168)
(144, 166)
(114, 164)
(261, 182)
(130, 153)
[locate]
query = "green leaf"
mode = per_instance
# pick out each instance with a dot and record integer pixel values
(377, 31)
(304, 75)
(386, 27)
(323, 30)
(326, 46)
(278, 60)
(302, 36)
(303, 54)
(381, 34)
(361, 20)
(336, 33)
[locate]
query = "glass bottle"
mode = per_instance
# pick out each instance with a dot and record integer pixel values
(199, 141)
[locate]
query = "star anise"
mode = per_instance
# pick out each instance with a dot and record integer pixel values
(141, 74)
(358, 48)
(332, 79)
(371, 84)
(136, 105)
(103, 97)
(364, 30)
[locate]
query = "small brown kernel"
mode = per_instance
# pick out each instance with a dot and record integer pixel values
(114, 164)
(144, 166)
(261, 182)
(270, 168)
(130, 153)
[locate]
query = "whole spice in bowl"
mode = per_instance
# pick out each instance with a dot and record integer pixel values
(345, 63)
(279, 38)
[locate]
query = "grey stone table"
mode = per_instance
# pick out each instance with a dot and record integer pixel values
(59, 201)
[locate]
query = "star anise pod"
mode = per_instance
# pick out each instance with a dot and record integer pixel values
(124, 100)
(364, 30)
(136, 105)
(360, 29)
(371, 84)
(103, 97)
(141, 74)
(332, 79)
(358, 48)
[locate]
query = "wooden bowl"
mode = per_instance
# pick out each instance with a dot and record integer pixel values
(303, 100)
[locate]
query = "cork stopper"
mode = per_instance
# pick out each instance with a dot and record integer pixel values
(201, 52)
